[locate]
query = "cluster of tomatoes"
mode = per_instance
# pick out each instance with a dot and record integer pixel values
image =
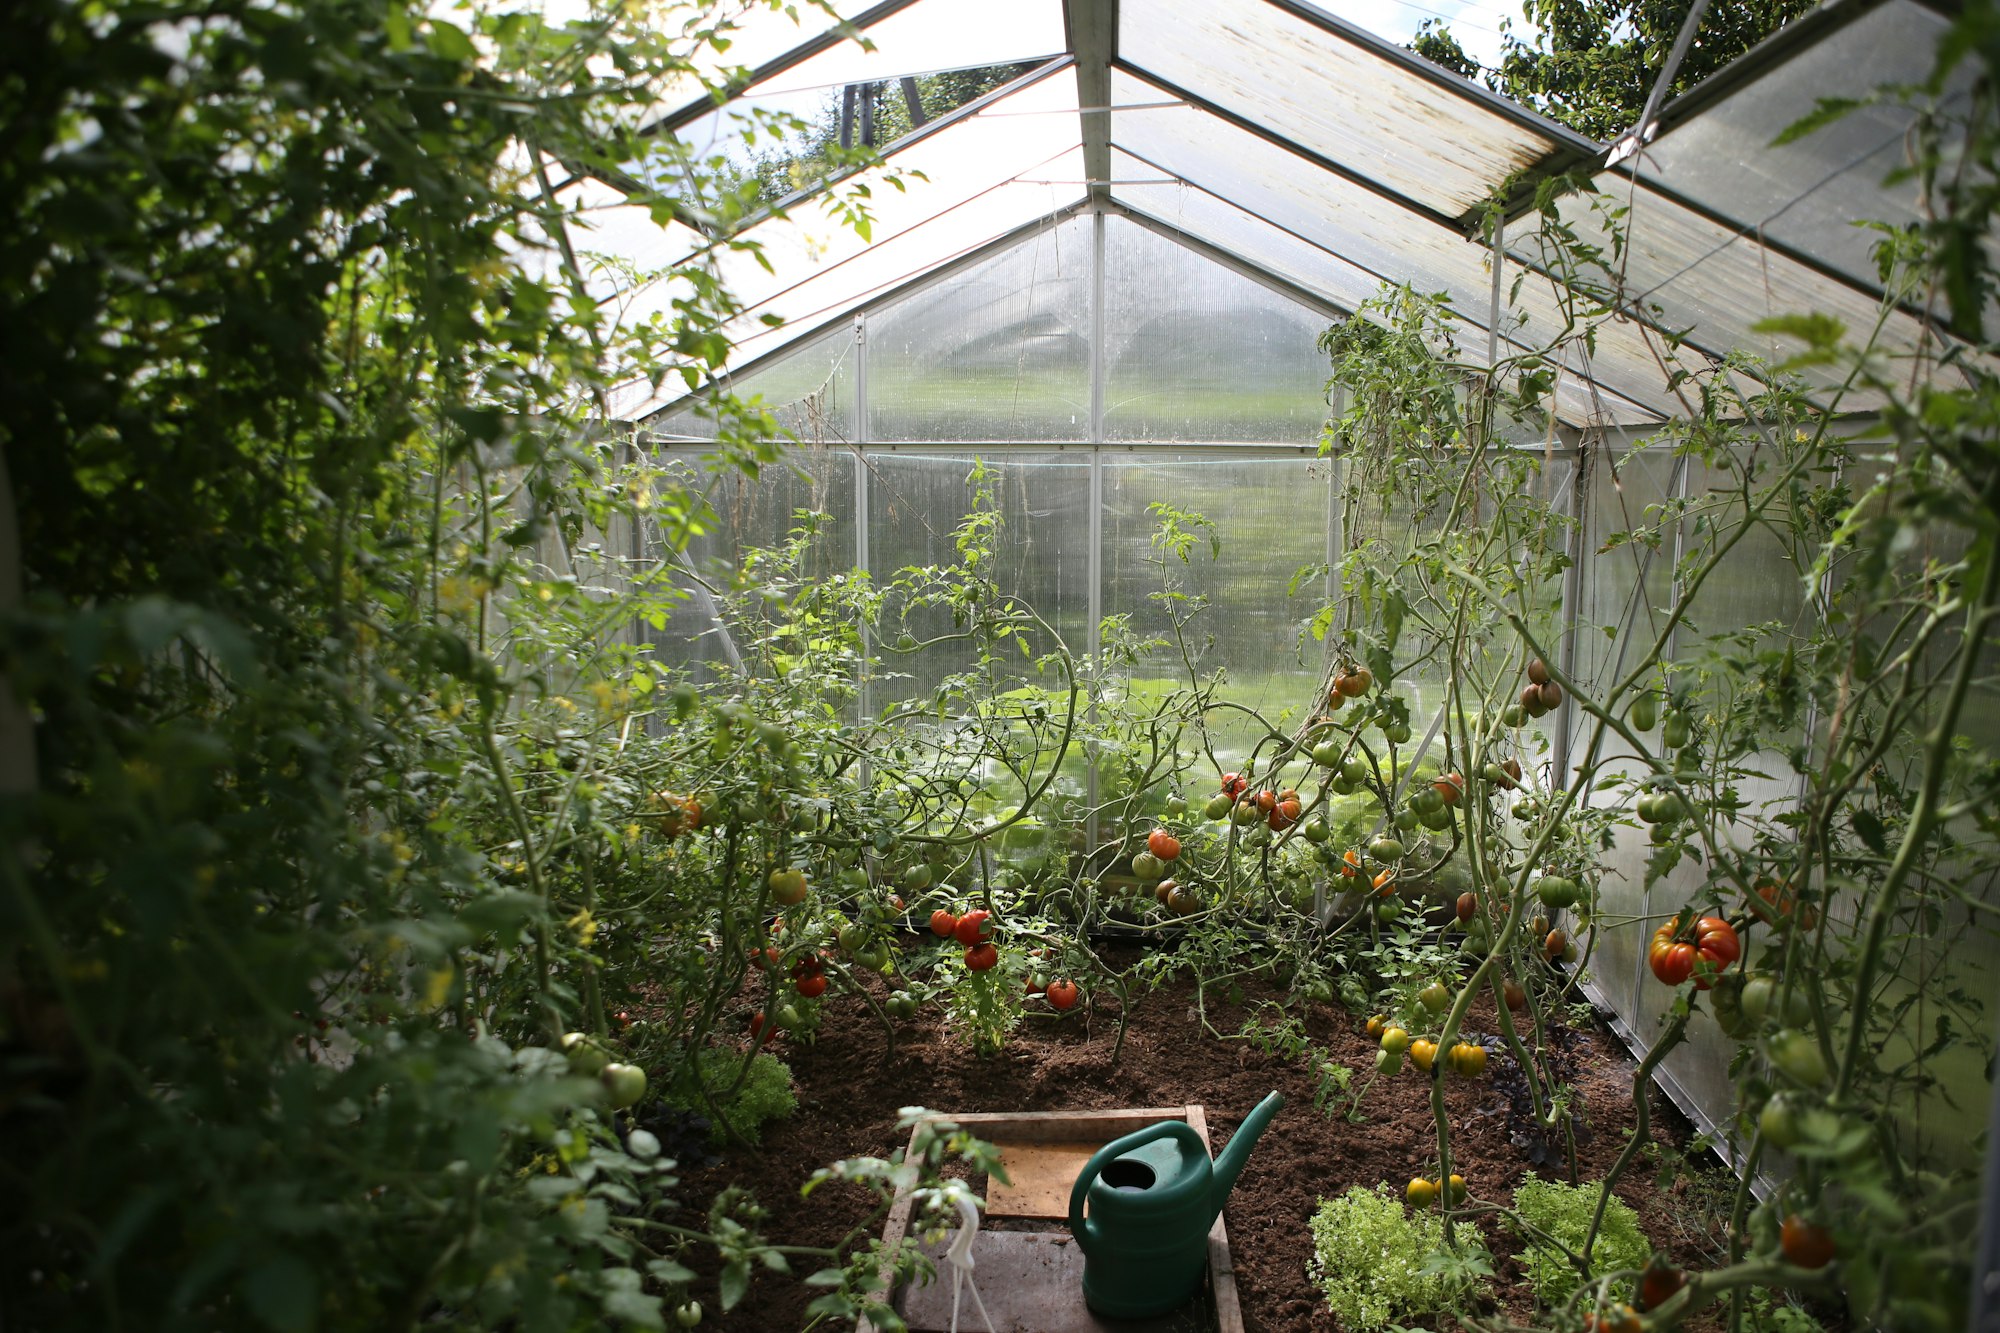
(974, 931)
(1674, 957)
(1348, 683)
(1466, 1059)
(1278, 809)
(675, 814)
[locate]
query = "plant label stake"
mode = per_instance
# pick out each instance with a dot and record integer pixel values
(959, 1256)
(1153, 1197)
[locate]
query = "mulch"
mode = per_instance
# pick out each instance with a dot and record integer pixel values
(850, 1094)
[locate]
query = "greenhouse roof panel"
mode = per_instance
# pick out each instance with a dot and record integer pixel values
(1812, 193)
(1417, 132)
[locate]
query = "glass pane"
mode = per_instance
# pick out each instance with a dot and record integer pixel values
(915, 505)
(1373, 234)
(985, 177)
(998, 352)
(810, 391)
(1271, 517)
(1809, 193)
(1185, 208)
(1194, 351)
(1429, 142)
(754, 514)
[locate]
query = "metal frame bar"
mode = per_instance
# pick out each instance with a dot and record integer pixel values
(1092, 27)
(1093, 633)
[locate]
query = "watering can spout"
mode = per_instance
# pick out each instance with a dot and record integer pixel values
(1230, 1164)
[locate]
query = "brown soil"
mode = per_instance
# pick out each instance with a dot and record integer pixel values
(849, 1097)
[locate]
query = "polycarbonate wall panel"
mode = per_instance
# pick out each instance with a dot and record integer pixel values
(1271, 515)
(752, 514)
(1196, 352)
(999, 352)
(916, 502)
(1620, 590)
(810, 391)
(1333, 95)
(1810, 193)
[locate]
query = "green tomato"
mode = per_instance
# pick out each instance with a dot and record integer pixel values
(1513, 715)
(1556, 892)
(1327, 754)
(1758, 993)
(1147, 866)
(1438, 820)
(1779, 1120)
(625, 1083)
(1434, 997)
(1394, 1041)
(688, 1315)
(1316, 830)
(1388, 909)
(1388, 1062)
(1397, 733)
(917, 878)
(1355, 770)
(1645, 713)
(1176, 805)
(1426, 800)
(1385, 851)
(586, 1057)
(1406, 820)
(1676, 730)
(1218, 807)
(1797, 1056)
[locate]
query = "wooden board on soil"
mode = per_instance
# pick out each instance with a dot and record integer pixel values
(1031, 1281)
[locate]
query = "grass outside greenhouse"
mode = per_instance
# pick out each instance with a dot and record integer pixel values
(564, 716)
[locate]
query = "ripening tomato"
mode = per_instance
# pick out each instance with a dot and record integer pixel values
(1658, 1283)
(788, 886)
(1163, 845)
(981, 958)
(1467, 1060)
(1804, 1244)
(1420, 1193)
(1538, 671)
(973, 927)
(1716, 942)
(1284, 815)
(1063, 994)
(1450, 787)
(1355, 683)
(1672, 960)
(1267, 801)
(1423, 1052)
(1468, 903)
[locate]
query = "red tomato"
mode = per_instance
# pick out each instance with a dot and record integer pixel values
(973, 927)
(943, 924)
(1672, 960)
(1267, 800)
(1163, 844)
(1658, 1284)
(1234, 785)
(1804, 1244)
(1284, 814)
(1716, 942)
(809, 966)
(1063, 994)
(812, 986)
(1451, 786)
(1467, 904)
(981, 957)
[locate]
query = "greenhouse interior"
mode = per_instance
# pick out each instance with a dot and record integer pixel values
(1061, 665)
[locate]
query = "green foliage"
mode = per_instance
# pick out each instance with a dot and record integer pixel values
(1563, 1213)
(1375, 1261)
(1591, 64)
(747, 1098)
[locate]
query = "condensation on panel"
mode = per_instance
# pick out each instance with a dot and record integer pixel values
(998, 352)
(1196, 352)
(1270, 515)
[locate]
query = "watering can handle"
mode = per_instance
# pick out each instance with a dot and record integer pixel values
(1083, 1228)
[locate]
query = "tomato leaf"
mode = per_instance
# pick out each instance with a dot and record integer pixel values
(734, 1283)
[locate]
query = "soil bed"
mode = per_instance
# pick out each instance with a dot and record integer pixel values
(849, 1099)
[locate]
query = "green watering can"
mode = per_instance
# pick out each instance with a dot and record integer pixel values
(1153, 1196)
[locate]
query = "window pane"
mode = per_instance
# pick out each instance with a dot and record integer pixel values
(1000, 352)
(1195, 351)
